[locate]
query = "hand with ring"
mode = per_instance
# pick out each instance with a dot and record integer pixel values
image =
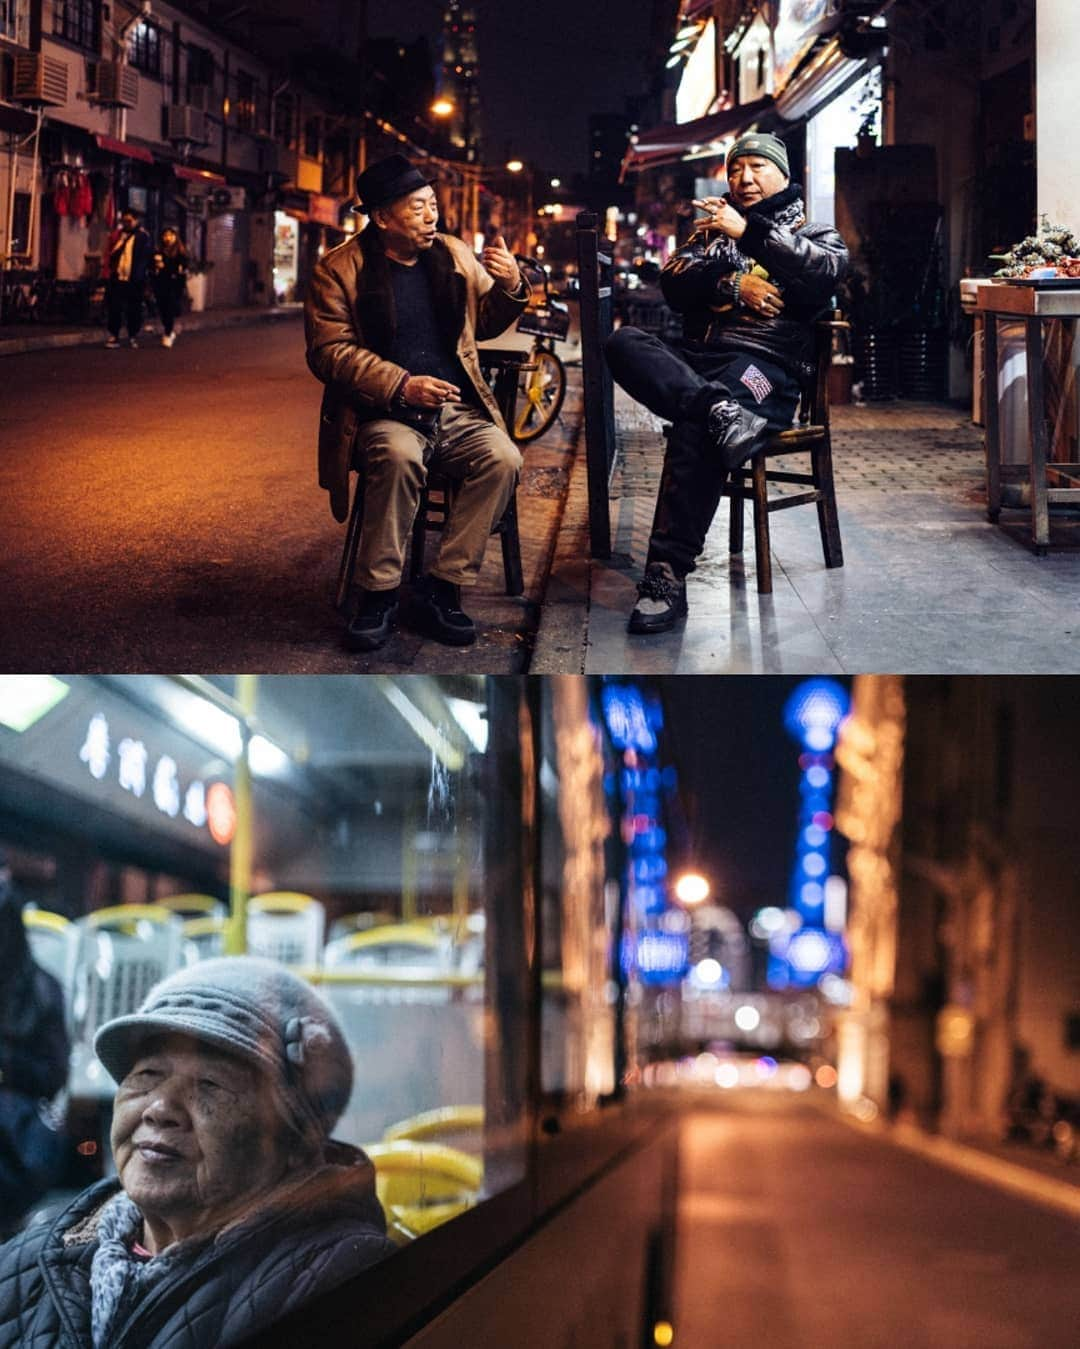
(760, 295)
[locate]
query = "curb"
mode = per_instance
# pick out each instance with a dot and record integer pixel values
(94, 336)
(1017, 1179)
(561, 640)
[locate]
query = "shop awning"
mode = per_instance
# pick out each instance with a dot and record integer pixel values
(671, 142)
(825, 75)
(125, 148)
(191, 175)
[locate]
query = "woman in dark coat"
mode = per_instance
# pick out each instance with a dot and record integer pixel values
(169, 280)
(231, 1205)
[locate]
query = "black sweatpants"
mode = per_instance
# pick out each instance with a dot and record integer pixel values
(168, 293)
(680, 384)
(124, 303)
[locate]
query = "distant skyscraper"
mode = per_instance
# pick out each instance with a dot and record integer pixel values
(458, 76)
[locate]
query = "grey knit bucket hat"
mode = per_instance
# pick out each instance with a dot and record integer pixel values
(258, 1011)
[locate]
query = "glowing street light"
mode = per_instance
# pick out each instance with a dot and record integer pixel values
(443, 107)
(691, 888)
(514, 166)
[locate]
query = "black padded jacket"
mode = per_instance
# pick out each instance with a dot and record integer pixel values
(805, 264)
(234, 1287)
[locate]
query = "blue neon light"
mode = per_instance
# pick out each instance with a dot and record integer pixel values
(814, 712)
(631, 723)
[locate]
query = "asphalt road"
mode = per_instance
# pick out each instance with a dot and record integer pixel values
(799, 1232)
(161, 512)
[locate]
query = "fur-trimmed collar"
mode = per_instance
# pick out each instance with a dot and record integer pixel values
(375, 293)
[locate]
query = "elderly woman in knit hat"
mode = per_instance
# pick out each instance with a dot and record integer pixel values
(230, 1205)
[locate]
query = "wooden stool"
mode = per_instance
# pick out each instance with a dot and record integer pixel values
(437, 494)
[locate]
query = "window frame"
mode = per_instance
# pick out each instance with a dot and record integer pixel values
(145, 43)
(70, 21)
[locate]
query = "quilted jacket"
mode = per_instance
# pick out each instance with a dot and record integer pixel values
(805, 263)
(235, 1286)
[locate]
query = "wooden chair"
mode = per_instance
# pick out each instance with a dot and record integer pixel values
(811, 433)
(437, 495)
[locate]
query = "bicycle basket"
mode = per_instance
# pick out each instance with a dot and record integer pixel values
(544, 321)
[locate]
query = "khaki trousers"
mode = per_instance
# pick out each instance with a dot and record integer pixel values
(468, 447)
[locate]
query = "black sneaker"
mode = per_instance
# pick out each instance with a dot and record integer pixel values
(373, 620)
(735, 432)
(661, 600)
(436, 612)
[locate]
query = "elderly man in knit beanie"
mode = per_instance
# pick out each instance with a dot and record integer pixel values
(750, 282)
(230, 1205)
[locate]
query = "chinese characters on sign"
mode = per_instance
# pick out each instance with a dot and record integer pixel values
(210, 807)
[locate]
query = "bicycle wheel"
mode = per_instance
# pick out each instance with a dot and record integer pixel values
(540, 394)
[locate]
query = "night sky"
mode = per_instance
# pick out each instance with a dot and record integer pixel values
(739, 773)
(543, 68)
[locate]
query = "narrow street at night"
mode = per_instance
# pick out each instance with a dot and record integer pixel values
(798, 1231)
(162, 512)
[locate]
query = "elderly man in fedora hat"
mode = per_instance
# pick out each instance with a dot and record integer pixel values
(750, 281)
(393, 317)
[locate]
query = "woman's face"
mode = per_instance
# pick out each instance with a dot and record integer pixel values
(195, 1137)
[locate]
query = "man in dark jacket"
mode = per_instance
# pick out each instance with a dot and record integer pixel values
(750, 283)
(231, 1206)
(393, 317)
(127, 262)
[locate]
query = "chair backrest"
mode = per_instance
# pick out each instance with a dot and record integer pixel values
(194, 906)
(204, 938)
(814, 385)
(286, 926)
(54, 942)
(122, 953)
(397, 946)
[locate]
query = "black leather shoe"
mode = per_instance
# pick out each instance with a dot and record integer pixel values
(735, 432)
(436, 612)
(373, 620)
(661, 600)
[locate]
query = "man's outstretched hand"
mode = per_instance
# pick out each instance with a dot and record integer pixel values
(501, 264)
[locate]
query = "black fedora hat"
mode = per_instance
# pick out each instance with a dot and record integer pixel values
(385, 181)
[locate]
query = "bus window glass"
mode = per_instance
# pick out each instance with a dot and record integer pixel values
(350, 829)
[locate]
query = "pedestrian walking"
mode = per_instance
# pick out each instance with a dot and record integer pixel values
(393, 318)
(169, 282)
(127, 264)
(750, 282)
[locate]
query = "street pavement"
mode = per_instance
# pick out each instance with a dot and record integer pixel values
(162, 513)
(798, 1231)
(928, 584)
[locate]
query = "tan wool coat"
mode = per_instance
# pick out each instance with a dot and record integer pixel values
(349, 320)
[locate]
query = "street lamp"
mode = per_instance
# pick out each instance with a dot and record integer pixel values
(514, 166)
(443, 107)
(691, 888)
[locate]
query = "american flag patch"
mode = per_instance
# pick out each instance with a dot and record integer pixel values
(757, 383)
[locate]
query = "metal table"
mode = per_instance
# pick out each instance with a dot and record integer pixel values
(1034, 307)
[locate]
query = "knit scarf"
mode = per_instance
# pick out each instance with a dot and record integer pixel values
(118, 1279)
(785, 208)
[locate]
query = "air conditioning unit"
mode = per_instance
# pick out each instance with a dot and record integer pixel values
(227, 199)
(200, 97)
(186, 124)
(39, 79)
(116, 85)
